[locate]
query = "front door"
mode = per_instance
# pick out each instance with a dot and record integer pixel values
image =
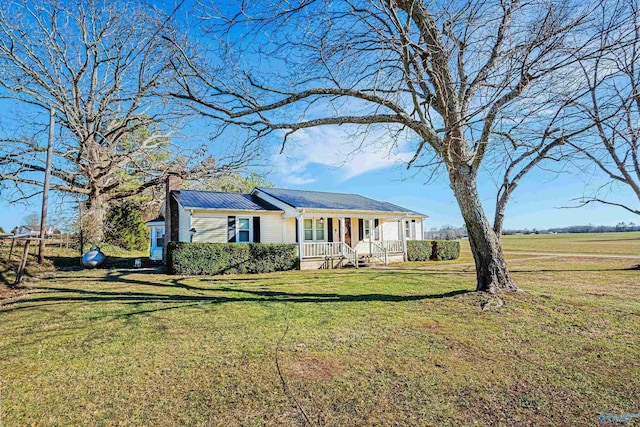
(347, 231)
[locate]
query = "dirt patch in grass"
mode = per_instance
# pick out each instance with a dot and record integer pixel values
(7, 292)
(313, 368)
(431, 324)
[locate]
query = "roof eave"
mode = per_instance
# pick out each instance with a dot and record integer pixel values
(194, 208)
(361, 210)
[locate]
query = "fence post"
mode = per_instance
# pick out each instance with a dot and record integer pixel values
(23, 263)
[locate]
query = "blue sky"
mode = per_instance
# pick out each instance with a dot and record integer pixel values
(319, 159)
(317, 162)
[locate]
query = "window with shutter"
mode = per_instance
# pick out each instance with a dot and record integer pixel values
(244, 230)
(367, 229)
(256, 229)
(319, 229)
(314, 230)
(231, 229)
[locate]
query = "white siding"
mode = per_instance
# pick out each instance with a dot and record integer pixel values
(184, 224)
(210, 228)
(419, 229)
(290, 230)
(271, 228)
(390, 230)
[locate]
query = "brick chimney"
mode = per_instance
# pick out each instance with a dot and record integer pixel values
(171, 225)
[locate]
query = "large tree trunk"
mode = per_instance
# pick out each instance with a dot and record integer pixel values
(491, 268)
(94, 218)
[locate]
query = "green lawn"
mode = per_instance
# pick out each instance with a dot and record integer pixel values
(369, 347)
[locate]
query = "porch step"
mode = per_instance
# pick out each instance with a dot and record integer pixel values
(364, 261)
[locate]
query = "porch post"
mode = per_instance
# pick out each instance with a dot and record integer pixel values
(300, 238)
(404, 240)
(342, 233)
(371, 231)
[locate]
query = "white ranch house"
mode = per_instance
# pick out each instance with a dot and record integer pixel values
(330, 229)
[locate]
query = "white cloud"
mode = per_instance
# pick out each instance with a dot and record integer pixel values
(338, 148)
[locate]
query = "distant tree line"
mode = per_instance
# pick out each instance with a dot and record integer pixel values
(590, 228)
(449, 232)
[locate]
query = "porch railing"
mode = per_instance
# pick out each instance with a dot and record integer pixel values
(350, 254)
(321, 249)
(393, 246)
(379, 252)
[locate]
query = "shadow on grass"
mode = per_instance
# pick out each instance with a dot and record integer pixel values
(73, 262)
(472, 271)
(199, 295)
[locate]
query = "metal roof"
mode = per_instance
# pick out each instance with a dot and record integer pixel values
(218, 200)
(302, 199)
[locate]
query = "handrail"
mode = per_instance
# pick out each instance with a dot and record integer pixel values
(379, 252)
(350, 254)
(325, 249)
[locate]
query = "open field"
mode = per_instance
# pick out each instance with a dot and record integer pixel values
(588, 243)
(370, 347)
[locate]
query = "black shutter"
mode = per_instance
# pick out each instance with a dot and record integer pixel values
(377, 230)
(297, 230)
(231, 229)
(256, 229)
(360, 229)
(329, 229)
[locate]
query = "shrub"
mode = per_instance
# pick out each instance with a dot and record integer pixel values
(125, 227)
(418, 250)
(230, 258)
(445, 250)
(436, 250)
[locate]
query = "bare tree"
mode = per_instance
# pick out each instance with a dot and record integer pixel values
(32, 220)
(103, 66)
(612, 105)
(558, 124)
(445, 72)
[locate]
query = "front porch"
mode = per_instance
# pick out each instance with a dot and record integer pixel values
(329, 241)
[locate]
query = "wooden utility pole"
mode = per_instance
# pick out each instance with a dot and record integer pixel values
(45, 192)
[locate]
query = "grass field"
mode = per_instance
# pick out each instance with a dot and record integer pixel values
(600, 243)
(408, 346)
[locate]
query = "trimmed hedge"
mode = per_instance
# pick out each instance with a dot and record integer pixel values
(230, 258)
(435, 250)
(418, 250)
(443, 250)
